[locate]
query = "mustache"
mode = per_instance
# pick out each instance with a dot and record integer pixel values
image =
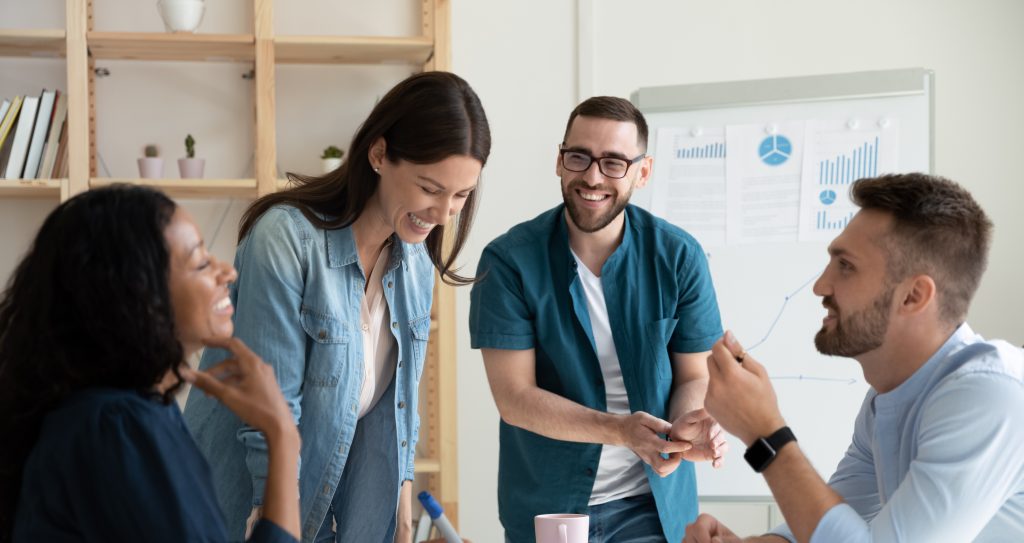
(829, 303)
(580, 183)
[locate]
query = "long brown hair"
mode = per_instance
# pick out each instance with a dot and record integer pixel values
(424, 119)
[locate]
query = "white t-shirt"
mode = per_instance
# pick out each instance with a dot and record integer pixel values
(379, 354)
(620, 472)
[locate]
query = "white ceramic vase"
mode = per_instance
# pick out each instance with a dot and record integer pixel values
(191, 168)
(151, 167)
(330, 164)
(181, 15)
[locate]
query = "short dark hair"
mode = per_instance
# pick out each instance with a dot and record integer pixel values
(88, 306)
(614, 108)
(424, 119)
(938, 229)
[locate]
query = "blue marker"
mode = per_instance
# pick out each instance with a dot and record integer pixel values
(436, 513)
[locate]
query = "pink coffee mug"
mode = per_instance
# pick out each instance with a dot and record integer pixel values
(561, 528)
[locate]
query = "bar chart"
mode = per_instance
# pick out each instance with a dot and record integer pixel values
(710, 150)
(846, 168)
(832, 222)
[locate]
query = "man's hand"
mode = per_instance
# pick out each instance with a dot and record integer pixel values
(639, 432)
(707, 529)
(740, 396)
(705, 435)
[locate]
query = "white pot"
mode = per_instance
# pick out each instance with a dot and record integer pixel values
(151, 167)
(181, 15)
(191, 168)
(330, 164)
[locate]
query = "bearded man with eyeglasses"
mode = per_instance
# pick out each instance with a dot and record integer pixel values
(595, 320)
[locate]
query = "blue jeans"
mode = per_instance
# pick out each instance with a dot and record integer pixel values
(629, 520)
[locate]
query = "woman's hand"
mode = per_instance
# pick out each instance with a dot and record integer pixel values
(246, 385)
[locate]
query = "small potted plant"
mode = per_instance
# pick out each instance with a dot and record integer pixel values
(151, 166)
(190, 167)
(331, 158)
(181, 15)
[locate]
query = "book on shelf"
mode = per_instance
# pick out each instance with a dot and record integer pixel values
(44, 117)
(22, 135)
(60, 165)
(5, 130)
(60, 112)
(4, 106)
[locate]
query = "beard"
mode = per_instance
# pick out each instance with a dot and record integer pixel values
(588, 220)
(857, 333)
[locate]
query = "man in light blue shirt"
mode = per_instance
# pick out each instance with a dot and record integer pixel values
(937, 446)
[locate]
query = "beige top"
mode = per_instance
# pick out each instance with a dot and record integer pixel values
(379, 343)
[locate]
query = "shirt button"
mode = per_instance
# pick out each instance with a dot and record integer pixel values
(404, 443)
(354, 408)
(366, 327)
(589, 471)
(342, 449)
(390, 284)
(394, 325)
(322, 334)
(327, 489)
(399, 363)
(401, 405)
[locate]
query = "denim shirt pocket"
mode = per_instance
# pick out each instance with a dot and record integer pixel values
(659, 333)
(419, 329)
(328, 348)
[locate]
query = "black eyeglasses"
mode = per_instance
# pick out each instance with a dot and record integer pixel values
(611, 167)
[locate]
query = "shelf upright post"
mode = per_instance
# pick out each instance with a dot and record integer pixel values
(77, 62)
(266, 129)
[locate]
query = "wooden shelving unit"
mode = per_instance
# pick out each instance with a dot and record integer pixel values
(79, 45)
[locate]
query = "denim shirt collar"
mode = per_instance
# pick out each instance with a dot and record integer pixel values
(341, 248)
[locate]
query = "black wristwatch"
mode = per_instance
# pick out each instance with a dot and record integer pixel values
(762, 452)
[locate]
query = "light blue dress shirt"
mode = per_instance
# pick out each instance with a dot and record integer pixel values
(940, 457)
(297, 305)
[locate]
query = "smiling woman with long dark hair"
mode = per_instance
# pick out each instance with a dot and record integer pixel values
(96, 323)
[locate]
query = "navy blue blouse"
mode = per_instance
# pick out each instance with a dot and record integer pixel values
(118, 465)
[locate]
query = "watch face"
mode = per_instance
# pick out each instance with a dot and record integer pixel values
(759, 454)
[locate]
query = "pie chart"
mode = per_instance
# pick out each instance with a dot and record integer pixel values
(827, 197)
(775, 150)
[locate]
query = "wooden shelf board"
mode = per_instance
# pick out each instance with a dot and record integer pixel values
(428, 465)
(352, 50)
(172, 46)
(189, 188)
(30, 188)
(32, 43)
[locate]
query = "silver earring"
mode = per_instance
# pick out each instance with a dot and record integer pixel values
(376, 171)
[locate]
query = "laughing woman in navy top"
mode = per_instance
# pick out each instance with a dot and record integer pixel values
(95, 325)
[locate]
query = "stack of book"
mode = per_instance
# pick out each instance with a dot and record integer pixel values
(33, 136)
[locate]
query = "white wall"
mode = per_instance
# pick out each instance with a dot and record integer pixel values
(517, 58)
(520, 57)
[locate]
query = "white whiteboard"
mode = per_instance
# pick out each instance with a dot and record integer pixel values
(819, 396)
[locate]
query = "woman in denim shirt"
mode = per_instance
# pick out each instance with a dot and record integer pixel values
(336, 279)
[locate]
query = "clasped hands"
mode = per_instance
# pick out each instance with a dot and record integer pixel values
(693, 436)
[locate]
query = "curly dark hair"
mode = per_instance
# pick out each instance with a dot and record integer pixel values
(88, 306)
(938, 229)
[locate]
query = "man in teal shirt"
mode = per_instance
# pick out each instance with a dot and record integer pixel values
(595, 320)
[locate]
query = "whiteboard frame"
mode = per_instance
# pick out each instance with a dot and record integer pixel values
(789, 90)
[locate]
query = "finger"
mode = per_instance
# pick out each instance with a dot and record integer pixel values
(733, 344)
(659, 426)
(669, 447)
(723, 359)
(224, 369)
(209, 384)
